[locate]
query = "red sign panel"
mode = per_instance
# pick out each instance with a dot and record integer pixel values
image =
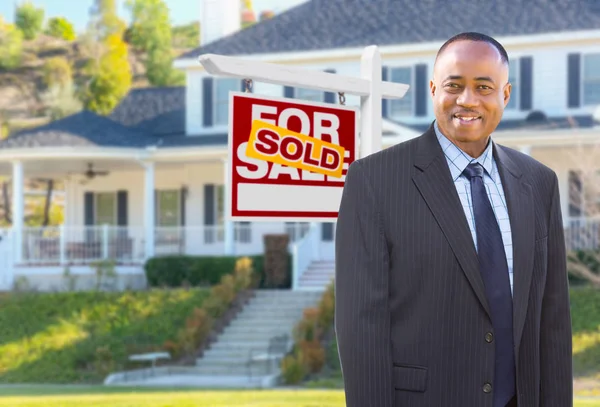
(265, 188)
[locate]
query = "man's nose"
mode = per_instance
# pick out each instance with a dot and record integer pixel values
(468, 98)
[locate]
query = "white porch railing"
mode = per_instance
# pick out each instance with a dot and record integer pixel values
(62, 245)
(82, 244)
(583, 233)
(304, 252)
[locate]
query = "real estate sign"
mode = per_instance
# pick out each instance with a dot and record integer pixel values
(288, 158)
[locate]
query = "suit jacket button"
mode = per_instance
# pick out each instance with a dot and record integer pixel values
(489, 337)
(487, 388)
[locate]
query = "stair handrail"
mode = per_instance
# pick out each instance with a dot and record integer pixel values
(304, 252)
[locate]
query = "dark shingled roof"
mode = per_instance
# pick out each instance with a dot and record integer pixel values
(81, 129)
(327, 24)
(159, 111)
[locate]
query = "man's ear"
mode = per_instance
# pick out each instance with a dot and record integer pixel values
(432, 87)
(507, 91)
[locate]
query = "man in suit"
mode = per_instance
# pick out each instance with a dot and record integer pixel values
(451, 283)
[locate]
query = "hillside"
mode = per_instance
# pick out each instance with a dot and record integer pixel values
(21, 89)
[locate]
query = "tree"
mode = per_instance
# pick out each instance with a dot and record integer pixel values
(11, 45)
(29, 19)
(111, 80)
(150, 32)
(104, 20)
(57, 71)
(583, 228)
(60, 27)
(108, 65)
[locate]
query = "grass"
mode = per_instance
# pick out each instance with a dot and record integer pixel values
(585, 311)
(70, 396)
(68, 338)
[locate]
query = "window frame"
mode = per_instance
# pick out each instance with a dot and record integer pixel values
(391, 102)
(218, 102)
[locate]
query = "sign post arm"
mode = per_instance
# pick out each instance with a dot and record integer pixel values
(370, 105)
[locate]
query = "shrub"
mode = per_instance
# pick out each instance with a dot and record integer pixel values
(29, 19)
(173, 271)
(292, 369)
(57, 72)
(313, 355)
(11, 45)
(60, 27)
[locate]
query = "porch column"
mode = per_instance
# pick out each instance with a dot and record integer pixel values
(526, 149)
(18, 209)
(149, 227)
(228, 225)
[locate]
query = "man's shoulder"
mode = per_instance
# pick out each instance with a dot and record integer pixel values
(395, 156)
(532, 169)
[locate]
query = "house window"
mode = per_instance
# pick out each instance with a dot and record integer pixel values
(308, 94)
(221, 102)
(591, 79)
(513, 78)
(106, 208)
(168, 207)
(402, 107)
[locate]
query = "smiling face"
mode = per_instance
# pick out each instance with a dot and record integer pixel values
(470, 90)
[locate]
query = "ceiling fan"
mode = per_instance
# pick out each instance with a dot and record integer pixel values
(90, 174)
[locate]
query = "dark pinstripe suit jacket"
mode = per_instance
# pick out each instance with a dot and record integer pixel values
(411, 316)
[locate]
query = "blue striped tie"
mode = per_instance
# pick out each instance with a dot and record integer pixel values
(494, 270)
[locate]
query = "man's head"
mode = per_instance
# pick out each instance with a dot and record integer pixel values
(470, 89)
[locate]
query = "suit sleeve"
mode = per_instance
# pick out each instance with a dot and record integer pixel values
(556, 356)
(361, 295)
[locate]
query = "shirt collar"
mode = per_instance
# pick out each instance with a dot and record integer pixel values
(458, 159)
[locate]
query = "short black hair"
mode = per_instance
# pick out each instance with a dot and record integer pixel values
(475, 36)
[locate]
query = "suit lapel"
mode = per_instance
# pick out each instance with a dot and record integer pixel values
(519, 200)
(434, 182)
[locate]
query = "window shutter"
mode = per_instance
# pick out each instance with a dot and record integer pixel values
(329, 96)
(122, 208)
(209, 204)
(574, 80)
(420, 90)
(327, 232)
(526, 82)
(207, 101)
(88, 210)
(88, 214)
(288, 92)
(182, 193)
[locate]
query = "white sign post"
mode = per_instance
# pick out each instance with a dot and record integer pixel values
(369, 87)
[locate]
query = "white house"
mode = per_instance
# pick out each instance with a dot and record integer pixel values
(161, 153)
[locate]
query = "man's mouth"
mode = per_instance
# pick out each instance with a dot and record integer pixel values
(466, 119)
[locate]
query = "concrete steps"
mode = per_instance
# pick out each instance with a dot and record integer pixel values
(270, 313)
(318, 276)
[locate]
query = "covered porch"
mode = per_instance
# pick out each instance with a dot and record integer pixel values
(132, 206)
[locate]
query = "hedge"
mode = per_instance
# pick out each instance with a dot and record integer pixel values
(181, 270)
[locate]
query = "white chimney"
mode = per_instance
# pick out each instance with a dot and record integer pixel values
(219, 19)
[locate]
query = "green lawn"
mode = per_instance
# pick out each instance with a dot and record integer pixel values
(62, 396)
(67, 338)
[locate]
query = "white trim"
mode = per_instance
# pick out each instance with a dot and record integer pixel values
(556, 38)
